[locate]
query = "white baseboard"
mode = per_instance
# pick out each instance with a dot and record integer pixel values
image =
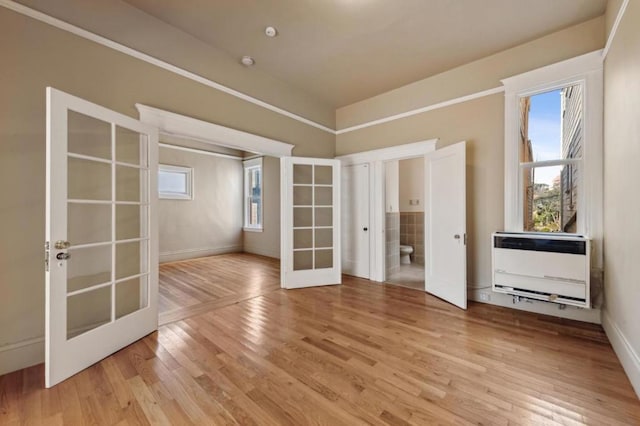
(17, 356)
(626, 354)
(539, 307)
(173, 256)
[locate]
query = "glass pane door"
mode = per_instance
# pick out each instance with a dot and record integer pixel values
(101, 249)
(311, 222)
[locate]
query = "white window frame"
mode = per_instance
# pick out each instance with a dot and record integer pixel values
(248, 166)
(585, 70)
(188, 171)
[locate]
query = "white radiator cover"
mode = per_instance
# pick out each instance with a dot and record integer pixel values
(549, 267)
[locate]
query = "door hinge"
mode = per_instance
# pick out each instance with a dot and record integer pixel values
(46, 256)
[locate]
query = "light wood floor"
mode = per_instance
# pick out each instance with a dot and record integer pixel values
(200, 285)
(352, 354)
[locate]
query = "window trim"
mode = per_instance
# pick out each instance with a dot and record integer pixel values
(586, 70)
(188, 171)
(248, 165)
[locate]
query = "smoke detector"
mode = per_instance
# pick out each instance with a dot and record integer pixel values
(247, 61)
(270, 32)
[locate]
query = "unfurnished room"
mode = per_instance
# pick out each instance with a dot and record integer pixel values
(319, 212)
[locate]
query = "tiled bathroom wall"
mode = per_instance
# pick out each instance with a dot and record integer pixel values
(392, 239)
(412, 234)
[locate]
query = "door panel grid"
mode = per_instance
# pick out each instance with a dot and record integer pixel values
(120, 257)
(312, 205)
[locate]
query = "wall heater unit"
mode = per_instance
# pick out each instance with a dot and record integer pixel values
(553, 268)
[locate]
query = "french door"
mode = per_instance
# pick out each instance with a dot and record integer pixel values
(310, 222)
(101, 234)
(445, 224)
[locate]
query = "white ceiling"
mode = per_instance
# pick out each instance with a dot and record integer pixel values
(343, 51)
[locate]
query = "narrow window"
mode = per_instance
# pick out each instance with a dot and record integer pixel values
(253, 194)
(175, 182)
(551, 147)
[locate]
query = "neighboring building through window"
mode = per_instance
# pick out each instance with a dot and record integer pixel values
(253, 194)
(175, 182)
(550, 157)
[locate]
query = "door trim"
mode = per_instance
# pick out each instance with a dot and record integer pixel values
(376, 159)
(172, 124)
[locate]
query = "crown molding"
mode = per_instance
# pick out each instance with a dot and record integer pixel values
(614, 28)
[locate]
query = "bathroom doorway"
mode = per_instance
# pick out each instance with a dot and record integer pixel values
(404, 222)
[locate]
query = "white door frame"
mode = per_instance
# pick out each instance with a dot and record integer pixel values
(376, 159)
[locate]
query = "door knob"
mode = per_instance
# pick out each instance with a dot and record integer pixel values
(63, 256)
(365, 229)
(457, 236)
(62, 245)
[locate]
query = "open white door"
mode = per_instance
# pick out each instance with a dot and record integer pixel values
(355, 220)
(101, 237)
(310, 224)
(445, 224)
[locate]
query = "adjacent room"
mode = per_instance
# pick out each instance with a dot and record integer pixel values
(404, 222)
(330, 212)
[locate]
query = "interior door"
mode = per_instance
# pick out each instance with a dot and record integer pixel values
(310, 222)
(101, 234)
(445, 224)
(355, 220)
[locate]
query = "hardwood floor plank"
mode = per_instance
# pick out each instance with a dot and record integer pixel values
(152, 410)
(237, 349)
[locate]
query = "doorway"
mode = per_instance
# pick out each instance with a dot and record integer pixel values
(444, 214)
(404, 223)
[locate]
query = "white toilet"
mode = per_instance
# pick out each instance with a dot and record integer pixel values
(405, 255)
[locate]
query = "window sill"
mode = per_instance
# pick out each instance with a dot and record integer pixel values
(175, 197)
(252, 229)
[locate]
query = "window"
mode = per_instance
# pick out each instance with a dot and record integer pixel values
(550, 148)
(175, 182)
(253, 194)
(553, 148)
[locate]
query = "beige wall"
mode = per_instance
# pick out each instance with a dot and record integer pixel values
(481, 123)
(411, 178)
(392, 186)
(621, 194)
(35, 55)
(209, 224)
(267, 242)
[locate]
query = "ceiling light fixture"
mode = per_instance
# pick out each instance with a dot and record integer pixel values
(247, 61)
(270, 32)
